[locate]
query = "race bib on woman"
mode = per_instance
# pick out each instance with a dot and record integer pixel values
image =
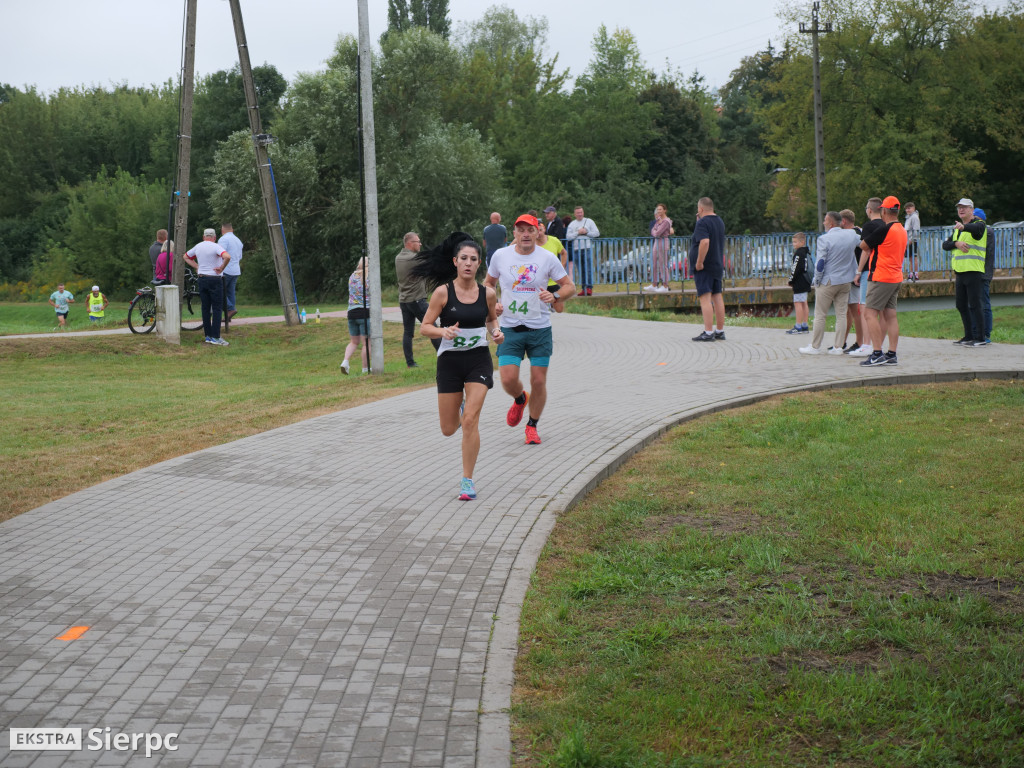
(468, 338)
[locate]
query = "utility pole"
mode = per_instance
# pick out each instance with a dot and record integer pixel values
(819, 134)
(271, 206)
(370, 192)
(185, 145)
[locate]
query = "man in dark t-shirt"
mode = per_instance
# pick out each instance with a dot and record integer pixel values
(495, 236)
(155, 248)
(707, 264)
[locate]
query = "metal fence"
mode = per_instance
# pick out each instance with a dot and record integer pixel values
(625, 262)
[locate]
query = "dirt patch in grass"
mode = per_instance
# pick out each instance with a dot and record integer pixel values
(872, 658)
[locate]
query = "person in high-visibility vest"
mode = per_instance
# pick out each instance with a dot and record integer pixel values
(97, 302)
(967, 244)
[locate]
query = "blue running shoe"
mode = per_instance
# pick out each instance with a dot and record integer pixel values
(467, 491)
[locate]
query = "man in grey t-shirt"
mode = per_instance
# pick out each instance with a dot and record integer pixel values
(495, 236)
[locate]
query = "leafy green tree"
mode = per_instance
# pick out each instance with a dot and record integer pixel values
(888, 81)
(403, 15)
(110, 228)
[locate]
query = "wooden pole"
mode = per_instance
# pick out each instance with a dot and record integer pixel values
(370, 199)
(184, 146)
(271, 206)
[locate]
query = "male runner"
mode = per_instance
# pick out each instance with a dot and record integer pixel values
(523, 270)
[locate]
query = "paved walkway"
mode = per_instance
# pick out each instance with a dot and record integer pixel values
(315, 595)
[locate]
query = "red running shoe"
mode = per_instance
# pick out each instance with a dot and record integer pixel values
(532, 438)
(515, 413)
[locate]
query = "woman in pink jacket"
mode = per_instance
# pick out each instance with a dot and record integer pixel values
(660, 232)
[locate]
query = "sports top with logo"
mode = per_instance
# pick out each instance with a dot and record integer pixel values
(522, 278)
(472, 320)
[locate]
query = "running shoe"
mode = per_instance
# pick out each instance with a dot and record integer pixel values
(719, 335)
(977, 343)
(532, 438)
(851, 349)
(877, 358)
(835, 350)
(648, 288)
(862, 351)
(809, 350)
(889, 359)
(467, 491)
(515, 412)
(794, 330)
(220, 342)
(704, 336)
(344, 366)
(962, 341)
(662, 289)
(208, 340)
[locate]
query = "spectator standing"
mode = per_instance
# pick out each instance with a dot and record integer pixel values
(156, 248)
(554, 228)
(883, 251)
(230, 243)
(412, 293)
(164, 263)
(990, 266)
(912, 223)
(553, 244)
(707, 264)
(854, 316)
(358, 316)
(968, 246)
(96, 302)
(800, 284)
(580, 233)
(59, 300)
(495, 235)
(661, 228)
(209, 260)
(834, 268)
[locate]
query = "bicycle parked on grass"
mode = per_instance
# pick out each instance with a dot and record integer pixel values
(142, 310)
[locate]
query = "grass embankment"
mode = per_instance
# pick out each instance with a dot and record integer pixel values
(1007, 322)
(81, 410)
(815, 580)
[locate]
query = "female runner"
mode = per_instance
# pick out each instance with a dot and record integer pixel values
(468, 322)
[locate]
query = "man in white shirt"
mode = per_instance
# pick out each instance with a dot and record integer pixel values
(579, 233)
(523, 270)
(209, 260)
(230, 243)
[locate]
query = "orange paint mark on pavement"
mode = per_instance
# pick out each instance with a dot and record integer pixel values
(73, 634)
(662, 363)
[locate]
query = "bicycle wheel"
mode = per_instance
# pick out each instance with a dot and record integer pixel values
(191, 312)
(142, 313)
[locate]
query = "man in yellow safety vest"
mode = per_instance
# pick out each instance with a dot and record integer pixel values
(967, 244)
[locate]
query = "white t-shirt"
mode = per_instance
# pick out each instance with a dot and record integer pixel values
(522, 278)
(209, 256)
(230, 243)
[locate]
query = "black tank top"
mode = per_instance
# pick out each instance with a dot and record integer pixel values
(466, 315)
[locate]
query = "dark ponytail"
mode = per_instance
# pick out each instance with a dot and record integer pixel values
(437, 263)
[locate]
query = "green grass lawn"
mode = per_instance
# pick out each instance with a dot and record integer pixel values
(815, 580)
(1007, 322)
(38, 317)
(80, 410)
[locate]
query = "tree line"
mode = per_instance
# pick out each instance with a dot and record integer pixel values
(922, 100)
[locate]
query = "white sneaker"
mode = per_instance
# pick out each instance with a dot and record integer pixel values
(864, 350)
(344, 367)
(835, 351)
(662, 289)
(648, 288)
(809, 350)
(220, 342)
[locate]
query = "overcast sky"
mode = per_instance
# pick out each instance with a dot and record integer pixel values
(56, 43)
